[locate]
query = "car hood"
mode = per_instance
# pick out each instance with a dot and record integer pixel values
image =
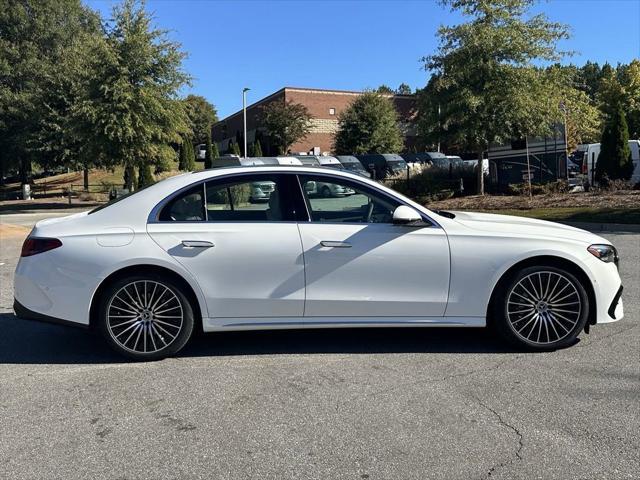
(523, 226)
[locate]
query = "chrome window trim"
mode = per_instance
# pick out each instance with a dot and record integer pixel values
(155, 212)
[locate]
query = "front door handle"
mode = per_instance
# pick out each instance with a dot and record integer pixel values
(197, 244)
(334, 244)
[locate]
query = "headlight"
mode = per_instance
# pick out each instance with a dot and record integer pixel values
(606, 253)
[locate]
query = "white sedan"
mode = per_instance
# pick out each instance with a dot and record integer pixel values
(194, 252)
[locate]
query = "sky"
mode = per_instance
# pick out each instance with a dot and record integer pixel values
(348, 45)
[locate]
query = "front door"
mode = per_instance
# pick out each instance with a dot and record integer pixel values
(238, 238)
(359, 264)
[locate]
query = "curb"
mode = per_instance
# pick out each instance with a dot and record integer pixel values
(605, 227)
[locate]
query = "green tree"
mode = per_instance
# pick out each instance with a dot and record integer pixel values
(183, 159)
(485, 87)
(630, 80)
(128, 112)
(235, 148)
(257, 149)
(190, 156)
(385, 89)
(37, 39)
(215, 153)
(144, 175)
(208, 154)
(202, 115)
(368, 125)
(286, 123)
(614, 161)
(404, 89)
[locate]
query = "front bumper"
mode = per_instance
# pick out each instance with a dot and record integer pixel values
(616, 309)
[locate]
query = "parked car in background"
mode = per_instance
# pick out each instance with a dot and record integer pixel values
(260, 191)
(201, 151)
(323, 189)
(474, 164)
(416, 158)
(381, 165)
(352, 164)
(190, 253)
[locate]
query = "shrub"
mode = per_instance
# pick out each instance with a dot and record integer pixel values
(430, 182)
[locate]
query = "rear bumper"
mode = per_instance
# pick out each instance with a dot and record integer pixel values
(24, 313)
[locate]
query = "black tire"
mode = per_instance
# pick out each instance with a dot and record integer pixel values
(145, 320)
(532, 315)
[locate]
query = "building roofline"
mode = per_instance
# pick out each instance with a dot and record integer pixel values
(305, 89)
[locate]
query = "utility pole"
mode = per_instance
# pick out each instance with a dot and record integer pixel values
(244, 114)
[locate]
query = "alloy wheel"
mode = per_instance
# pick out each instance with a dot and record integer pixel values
(544, 307)
(144, 316)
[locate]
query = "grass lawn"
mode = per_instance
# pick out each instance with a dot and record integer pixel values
(578, 214)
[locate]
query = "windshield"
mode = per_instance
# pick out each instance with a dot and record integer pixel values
(397, 165)
(333, 165)
(354, 167)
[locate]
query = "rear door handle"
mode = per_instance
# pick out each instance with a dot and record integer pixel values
(330, 243)
(197, 244)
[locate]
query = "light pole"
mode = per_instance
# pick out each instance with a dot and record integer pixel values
(244, 115)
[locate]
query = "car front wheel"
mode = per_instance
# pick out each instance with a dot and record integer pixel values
(542, 308)
(145, 317)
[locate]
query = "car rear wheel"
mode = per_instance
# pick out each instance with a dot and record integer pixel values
(542, 308)
(145, 317)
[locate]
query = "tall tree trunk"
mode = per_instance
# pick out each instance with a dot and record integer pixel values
(25, 170)
(129, 177)
(86, 178)
(480, 173)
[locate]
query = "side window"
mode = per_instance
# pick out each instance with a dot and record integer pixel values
(250, 198)
(186, 207)
(335, 200)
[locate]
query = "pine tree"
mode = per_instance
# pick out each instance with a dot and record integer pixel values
(208, 156)
(190, 157)
(614, 161)
(182, 162)
(235, 149)
(215, 153)
(144, 175)
(257, 149)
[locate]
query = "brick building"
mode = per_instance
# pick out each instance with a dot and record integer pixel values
(324, 107)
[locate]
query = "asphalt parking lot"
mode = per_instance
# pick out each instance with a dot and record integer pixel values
(352, 404)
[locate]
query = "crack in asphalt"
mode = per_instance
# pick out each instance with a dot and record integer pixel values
(428, 380)
(501, 421)
(600, 339)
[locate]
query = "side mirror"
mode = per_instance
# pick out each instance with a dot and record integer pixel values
(404, 215)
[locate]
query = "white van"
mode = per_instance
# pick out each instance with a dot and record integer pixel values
(586, 159)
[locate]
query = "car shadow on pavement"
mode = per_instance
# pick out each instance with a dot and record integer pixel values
(27, 342)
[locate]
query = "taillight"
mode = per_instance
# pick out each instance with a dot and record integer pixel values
(35, 245)
(584, 168)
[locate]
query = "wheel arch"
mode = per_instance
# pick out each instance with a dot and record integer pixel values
(551, 261)
(146, 269)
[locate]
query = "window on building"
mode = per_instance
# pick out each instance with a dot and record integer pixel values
(332, 111)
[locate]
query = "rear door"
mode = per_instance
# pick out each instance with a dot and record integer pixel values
(238, 237)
